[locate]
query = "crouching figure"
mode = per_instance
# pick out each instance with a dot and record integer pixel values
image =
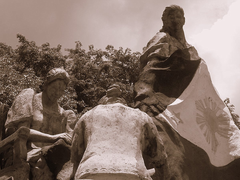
(110, 140)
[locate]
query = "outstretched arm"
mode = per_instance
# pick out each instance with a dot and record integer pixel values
(37, 136)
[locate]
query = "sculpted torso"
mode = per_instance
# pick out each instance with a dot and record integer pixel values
(45, 119)
(114, 138)
(113, 141)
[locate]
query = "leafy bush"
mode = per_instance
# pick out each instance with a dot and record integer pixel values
(95, 70)
(91, 72)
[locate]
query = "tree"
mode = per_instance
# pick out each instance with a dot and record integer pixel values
(5, 50)
(40, 59)
(26, 67)
(95, 70)
(91, 71)
(12, 81)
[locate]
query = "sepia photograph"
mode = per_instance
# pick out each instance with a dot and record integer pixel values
(119, 90)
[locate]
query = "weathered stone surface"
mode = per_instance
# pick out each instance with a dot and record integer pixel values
(18, 171)
(47, 123)
(169, 67)
(3, 116)
(57, 157)
(66, 171)
(109, 141)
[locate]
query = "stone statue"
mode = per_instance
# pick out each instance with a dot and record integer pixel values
(113, 95)
(110, 140)
(168, 64)
(47, 121)
(175, 88)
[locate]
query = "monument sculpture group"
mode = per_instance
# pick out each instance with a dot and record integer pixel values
(177, 129)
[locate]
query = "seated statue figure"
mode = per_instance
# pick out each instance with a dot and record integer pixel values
(168, 64)
(47, 121)
(110, 140)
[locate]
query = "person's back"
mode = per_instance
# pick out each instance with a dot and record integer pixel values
(115, 136)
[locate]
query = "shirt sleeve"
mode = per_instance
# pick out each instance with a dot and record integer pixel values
(21, 110)
(78, 143)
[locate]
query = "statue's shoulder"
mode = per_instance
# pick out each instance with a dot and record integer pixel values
(27, 92)
(88, 113)
(159, 36)
(21, 109)
(25, 96)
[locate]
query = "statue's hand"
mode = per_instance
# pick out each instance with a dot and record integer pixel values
(151, 109)
(154, 103)
(66, 137)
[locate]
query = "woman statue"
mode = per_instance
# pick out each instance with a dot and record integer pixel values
(47, 121)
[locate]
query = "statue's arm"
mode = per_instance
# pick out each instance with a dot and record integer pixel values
(37, 136)
(155, 147)
(71, 121)
(66, 135)
(78, 144)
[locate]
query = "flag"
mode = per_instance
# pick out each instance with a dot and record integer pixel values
(200, 116)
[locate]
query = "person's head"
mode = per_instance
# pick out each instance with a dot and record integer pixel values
(114, 91)
(173, 18)
(56, 83)
(113, 95)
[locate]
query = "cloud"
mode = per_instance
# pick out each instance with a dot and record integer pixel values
(219, 47)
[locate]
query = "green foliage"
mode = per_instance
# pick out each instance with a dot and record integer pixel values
(12, 81)
(95, 70)
(26, 67)
(91, 72)
(40, 59)
(5, 50)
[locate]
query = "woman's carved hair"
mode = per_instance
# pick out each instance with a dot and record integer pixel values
(57, 73)
(165, 14)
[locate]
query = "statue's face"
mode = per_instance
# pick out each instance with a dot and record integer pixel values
(175, 20)
(55, 90)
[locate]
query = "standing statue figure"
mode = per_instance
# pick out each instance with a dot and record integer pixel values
(175, 88)
(110, 140)
(47, 121)
(168, 64)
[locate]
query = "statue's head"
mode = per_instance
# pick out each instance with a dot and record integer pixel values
(114, 91)
(56, 83)
(57, 74)
(173, 18)
(113, 95)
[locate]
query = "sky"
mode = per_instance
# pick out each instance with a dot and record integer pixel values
(212, 26)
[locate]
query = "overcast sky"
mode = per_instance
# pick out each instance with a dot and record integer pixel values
(212, 26)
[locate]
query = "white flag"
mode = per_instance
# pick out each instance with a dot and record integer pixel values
(200, 116)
